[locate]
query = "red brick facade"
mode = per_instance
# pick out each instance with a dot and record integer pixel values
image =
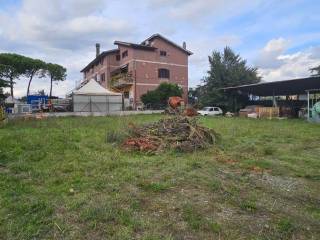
(134, 68)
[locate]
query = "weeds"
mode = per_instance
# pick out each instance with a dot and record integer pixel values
(260, 172)
(154, 186)
(114, 136)
(248, 205)
(285, 226)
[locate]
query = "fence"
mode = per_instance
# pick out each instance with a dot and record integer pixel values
(268, 112)
(83, 103)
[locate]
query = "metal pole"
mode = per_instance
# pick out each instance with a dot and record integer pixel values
(308, 105)
(273, 99)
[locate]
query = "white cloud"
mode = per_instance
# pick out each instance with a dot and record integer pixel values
(194, 10)
(276, 45)
(65, 31)
(59, 31)
(61, 23)
(268, 57)
(293, 65)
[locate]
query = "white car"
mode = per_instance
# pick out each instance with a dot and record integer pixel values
(210, 111)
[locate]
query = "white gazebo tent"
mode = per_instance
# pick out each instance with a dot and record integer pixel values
(92, 97)
(11, 100)
(11, 104)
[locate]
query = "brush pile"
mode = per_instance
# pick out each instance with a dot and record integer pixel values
(179, 133)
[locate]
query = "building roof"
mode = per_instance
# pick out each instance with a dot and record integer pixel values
(94, 88)
(134, 45)
(98, 58)
(279, 88)
(142, 46)
(157, 35)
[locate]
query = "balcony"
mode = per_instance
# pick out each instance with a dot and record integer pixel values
(121, 80)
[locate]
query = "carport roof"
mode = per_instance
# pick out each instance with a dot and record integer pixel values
(279, 88)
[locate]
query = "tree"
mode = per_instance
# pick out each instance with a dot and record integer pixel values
(3, 81)
(41, 93)
(316, 70)
(158, 98)
(226, 69)
(33, 67)
(56, 73)
(11, 68)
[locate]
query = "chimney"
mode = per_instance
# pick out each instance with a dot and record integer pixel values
(184, 45)
(97, 49)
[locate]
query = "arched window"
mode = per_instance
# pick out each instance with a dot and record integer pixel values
(163, 73)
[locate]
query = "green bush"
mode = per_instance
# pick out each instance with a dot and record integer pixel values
(158, 98)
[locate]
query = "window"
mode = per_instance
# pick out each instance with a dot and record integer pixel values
(216, 109)
(163, 73)
(102, 77)
(118, 57)
(125, 54)
(163, 53)
(126, 94)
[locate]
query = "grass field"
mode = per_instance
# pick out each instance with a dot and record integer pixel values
(61, 179)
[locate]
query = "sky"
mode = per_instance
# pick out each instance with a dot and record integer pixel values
(280, 38)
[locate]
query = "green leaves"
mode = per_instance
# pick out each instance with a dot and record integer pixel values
(158, 98)
(13, 66)
(56, 73)
(226, 69)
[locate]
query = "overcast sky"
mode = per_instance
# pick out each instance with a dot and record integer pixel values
(281, 38)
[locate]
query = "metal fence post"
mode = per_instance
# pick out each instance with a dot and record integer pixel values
(308, 105)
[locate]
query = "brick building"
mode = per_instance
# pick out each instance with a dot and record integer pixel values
(134, 69)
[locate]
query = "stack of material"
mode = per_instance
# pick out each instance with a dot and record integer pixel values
(248, 109)
(256, 111)
(268, 112)
(179, 133)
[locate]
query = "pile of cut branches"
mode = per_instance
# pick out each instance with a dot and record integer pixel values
(179, 133)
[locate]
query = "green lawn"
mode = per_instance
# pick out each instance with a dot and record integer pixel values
(61, 179)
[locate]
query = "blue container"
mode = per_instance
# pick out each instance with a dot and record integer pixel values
(37, 102)
(37, 98)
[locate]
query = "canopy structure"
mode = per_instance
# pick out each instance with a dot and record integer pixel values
(94, 88)
(92, 97)
(11, 100)
(309, 85)
(279, 88)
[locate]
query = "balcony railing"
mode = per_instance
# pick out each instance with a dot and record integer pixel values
(121, 80)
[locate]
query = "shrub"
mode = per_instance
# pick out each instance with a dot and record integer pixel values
(158, 98)
(114, 136)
